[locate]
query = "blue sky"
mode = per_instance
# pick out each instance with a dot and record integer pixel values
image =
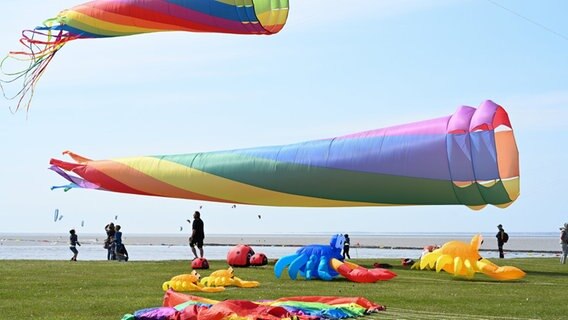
(336, 68)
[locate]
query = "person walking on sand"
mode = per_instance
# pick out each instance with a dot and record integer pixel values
(197, 235)
(502, 238)
(73, 243)
(346, 244)
(564, 242)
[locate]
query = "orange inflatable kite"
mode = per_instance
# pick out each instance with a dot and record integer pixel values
(463, 259)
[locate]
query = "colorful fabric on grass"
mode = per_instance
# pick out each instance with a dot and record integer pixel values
(115, 18)
(468, 158)
(182, 306)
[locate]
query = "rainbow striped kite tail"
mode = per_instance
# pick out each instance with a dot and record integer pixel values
(40, 46)
(59, 167)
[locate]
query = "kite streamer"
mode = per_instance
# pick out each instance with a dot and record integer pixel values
(115, 18)
(468, 158)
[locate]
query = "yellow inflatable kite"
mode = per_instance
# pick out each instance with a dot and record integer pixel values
(189, 282)
(226, 277)
(463, 259)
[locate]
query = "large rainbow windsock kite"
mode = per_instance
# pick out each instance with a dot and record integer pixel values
(468, 158)
(115, 18)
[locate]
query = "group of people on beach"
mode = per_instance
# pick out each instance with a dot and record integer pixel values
(198, 236)
(503, 237)
(117, 251)
(113, 243)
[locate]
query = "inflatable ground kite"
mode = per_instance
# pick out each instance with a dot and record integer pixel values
(325, 262)
(467, 158)
(115, 18)
(225, 278)
(189, 282)
(258, 259)
(243, 255)
(312, 261)
(200, 263)
(240, 255)
(357, 273)
(463, 260)
(215, 282)
(182, 306)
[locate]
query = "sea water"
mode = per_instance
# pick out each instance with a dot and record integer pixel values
(163, 247)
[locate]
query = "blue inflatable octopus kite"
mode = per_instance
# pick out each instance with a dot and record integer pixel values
(312, 261)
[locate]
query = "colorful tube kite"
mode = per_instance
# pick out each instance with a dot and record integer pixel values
(468, 158)
(115, 18)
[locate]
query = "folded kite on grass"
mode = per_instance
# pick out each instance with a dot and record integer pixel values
(183, 306)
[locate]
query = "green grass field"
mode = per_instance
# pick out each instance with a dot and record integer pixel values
(109, 289)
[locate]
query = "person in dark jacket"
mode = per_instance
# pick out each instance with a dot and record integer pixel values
(346, 245)
(73, 243)
(502, 238)
(197, 235)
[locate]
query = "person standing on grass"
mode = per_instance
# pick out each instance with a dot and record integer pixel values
(564, 242)
(502, 238)
(73, 243)
(197, 235)
(346, 244)
(109, 242)
(117, 240)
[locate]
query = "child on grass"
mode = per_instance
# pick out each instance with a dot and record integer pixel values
(73, 242)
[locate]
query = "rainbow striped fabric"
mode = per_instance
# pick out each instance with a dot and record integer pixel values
(182, 306)
(468, 158)
(115, 18)
(111, 18)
